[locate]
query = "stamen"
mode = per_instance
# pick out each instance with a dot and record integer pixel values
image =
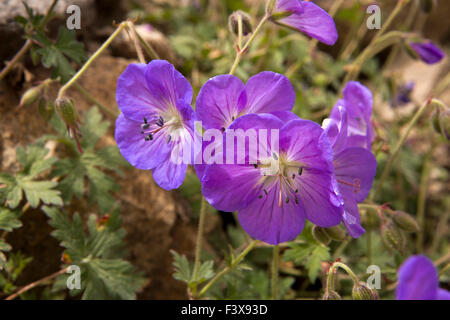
(274, 155)
(148, 137)
(293, 176)
(287, 200)
(145, 120)
(300, 171)
(296, 200)
(255, 165)
(169, 138)
(260, 196)
(296, 190)
(145, 125)
(280, 199)
(223, 129)
(265, 191)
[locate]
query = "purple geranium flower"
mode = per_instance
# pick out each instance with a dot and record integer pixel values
(287, 185)
(156, 124)
(354, 164)
(308, 18)
(224, 98)
(418, 280)
(427, 52)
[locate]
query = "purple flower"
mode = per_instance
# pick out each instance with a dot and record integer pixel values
(404, 94)
(427, 52)
(224, 98)
(156, 124)
(308, 18)
(288, 184)
(354, 164)
(418, 280)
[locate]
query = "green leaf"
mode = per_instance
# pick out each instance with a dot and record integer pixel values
(54, 55)
(34, 162)
(90, 165)
(183, 269)
(319, 254)
(98, 252)
(9, 220)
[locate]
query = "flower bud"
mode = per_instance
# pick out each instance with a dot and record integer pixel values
(336, 233)
(30, 96)
(233, 23)
(392, 237)
(371, 220)
(362, 291)
(426, 5)
(405, 221)
(331, 295)
(441, 121)
(66, 109)
(320, 235)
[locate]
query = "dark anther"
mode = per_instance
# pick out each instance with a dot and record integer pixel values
(296, 200)
(296, 190)
(232, 118)
(300, 171)
(142, 132)
(149, 137)
(145, 126)
(293, 176)
(223, 129)
(260, 196)
(265, 191)
(274, 155)
(287, 200)
(255, 165)
(145, 120)
(160, 122)
(169, 138)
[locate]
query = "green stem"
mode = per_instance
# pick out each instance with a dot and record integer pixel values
(148, 48)
(91, 59)
(198, 244)
(28, 43)
(228, 268)
(393, 156)
(134, 38)
(242, 50)
(94, 101)
(275, 272)
(330, 277)
(369, 247)
(398, 8)
(421, 199)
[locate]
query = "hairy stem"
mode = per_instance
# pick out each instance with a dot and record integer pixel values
(394, 154)
(275, 272)
(228, 268)
(91, 59)
(36, 283)
(198, 244)
(244, 49)
(94, 101)
(331, 277)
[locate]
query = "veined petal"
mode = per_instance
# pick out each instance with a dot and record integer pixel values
(169, 175)
(265, 220)
(268, 92)
(166, 85)
(355, 169)
(306, 145)
(336, 128)
(132, 94)
(217, 102)
(352, 218)
(314, 21)
(289, 5)
(133, 147)
(417, 279)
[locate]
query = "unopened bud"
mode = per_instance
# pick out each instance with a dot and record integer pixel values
(30, 96)
(410, 51)
(371, 220)
(392, 237)
(426, 5)
(441, 121)
(331, 295)
(405, 221)
(66, 109)
(336, 233)
(321, 235)
(362, 291)
(233, 22)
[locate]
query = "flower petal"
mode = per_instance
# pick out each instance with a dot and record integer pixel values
(289, 5)
(133, 147)
(169, 175)
(268, 92)
(166, 85)
(336, 128)
(264, 220)
(352, 218)
(443, 294)
(357, 167)
(417, 279)
(132, 94)
(314, 21)
(217, 101)
(428, 52)
(305, 143)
